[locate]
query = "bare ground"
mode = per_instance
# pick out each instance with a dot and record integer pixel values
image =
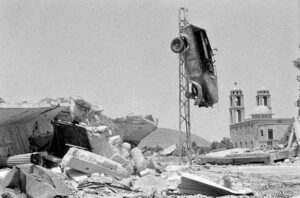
(274, 180)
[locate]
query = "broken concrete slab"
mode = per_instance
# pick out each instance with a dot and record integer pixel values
(80, 108)
(126, 146)
(282, 154)
(35, 181)
(118, 158)
(115, 140)
(133, 128)
(240, 158)
(125, 163)
(147, 171)
(125, 149)
(75, 175)
(248, 158)
(169, 150)
(138, 159)
(98, 138)
(228, 152)
(214, 160)
(124, 153)
(88, 162)
(193, 184)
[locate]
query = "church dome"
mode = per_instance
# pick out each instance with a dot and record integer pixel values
(261, 109)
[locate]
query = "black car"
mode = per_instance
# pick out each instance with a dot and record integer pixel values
(194, 45)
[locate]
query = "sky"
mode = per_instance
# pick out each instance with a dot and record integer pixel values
(117, 54)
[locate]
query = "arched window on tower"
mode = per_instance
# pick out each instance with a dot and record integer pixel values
(241, 144)
(265, 100)
(239, 115)
(238, 101)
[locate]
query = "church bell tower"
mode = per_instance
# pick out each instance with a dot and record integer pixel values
(263, 97)
(236, 109)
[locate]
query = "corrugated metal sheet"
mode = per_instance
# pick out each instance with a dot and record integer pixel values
(17, 124)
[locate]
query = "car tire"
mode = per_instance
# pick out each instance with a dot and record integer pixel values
(177, 45)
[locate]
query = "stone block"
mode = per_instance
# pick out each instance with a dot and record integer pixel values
(88, 162)
(138, 159)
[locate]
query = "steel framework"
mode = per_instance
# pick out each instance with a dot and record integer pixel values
(184, 103)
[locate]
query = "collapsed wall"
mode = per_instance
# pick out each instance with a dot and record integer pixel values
(18, 122)
(21, 121)
(132, 128)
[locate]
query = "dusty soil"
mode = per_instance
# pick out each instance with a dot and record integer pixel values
(274, 180)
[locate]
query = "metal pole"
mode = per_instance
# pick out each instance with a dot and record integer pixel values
(184, 103)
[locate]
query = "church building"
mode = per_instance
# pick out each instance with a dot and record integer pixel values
(259, 131)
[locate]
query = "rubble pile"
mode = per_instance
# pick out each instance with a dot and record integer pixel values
(82, 173)
(82, 155)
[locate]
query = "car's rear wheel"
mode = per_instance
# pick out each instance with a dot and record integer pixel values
(177, 45)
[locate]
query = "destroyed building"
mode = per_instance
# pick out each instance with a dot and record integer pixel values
(26, 127)
(259, 131)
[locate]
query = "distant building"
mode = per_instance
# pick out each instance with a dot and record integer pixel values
(261, 130)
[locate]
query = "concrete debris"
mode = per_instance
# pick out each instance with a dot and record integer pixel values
(138, 159)
(98, 139)
(228, 152)
(35, 181)
(115, 140)
(80, 110)
(126, 146)
(193, 184)
(90, 155)
(124, 162)
(73, 139)
(132, 128)
(244, 156)
(169, 150)
(40, 121)
(88, 162)
(124, 150)
(147, 171)
(75, 175)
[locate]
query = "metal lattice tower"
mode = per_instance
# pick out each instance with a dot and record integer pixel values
(184, 103)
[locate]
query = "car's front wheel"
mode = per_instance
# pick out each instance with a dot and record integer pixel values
(177, 45)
